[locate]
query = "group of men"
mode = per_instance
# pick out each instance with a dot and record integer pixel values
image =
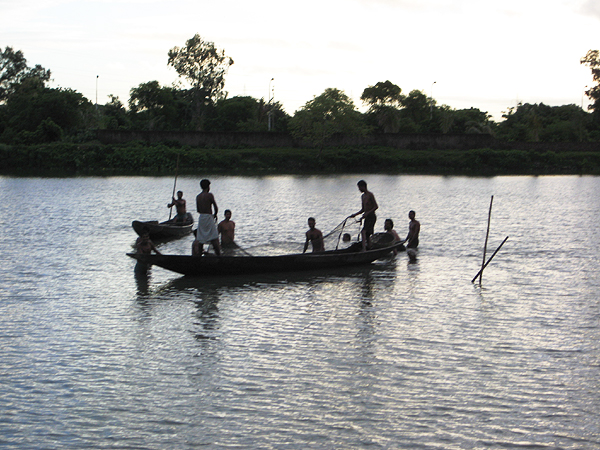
(368, 219)
(208, 231)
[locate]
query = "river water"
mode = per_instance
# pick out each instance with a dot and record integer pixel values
(395, 355)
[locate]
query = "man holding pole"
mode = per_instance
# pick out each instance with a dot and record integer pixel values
(180, 206)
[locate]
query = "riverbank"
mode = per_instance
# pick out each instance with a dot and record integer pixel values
(95, 159)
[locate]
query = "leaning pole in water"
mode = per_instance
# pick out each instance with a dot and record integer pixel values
(488, 261)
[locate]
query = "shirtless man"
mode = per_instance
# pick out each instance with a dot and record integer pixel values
(314, 236)
(369, 206)
(180, 207)
(388, 226)
(206, 233)
(226, 229)
(144, 245)
(413, 231)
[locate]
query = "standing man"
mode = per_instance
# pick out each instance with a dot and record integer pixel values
(413, 231)
(206, 233)
(314, 236)
(180, 207)
(226, 229)
(369, 206)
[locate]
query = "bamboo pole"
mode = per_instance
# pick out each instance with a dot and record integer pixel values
(487, 233)
(174, 185)
(491, 257)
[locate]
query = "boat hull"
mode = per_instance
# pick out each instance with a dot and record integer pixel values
(238, 265)
(163, 230)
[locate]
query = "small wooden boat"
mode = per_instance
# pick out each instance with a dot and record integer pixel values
(238, 265)
(164, 230)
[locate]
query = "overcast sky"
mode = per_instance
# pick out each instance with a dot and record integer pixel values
(484, 54)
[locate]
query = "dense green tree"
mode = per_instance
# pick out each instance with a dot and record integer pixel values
(592, 60)
(114, 115)
(154, 107)
(383, 93)
(383, 101)
(244, 113)
(470, 121)
(416, 113)
(330, 113)
(32, 105)
(543, 123)
(204, 67)
(14, 69)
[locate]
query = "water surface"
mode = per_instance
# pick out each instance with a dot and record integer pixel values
(394, 355)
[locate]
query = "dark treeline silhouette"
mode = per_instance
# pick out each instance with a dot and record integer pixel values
(32, 113)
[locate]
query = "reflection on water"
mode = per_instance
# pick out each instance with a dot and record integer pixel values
(397, 354)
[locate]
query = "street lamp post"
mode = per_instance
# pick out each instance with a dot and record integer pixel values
(97, 91)
(431, 102)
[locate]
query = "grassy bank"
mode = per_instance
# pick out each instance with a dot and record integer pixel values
(140, 159)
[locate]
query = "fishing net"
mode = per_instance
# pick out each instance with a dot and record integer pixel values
(344, 235)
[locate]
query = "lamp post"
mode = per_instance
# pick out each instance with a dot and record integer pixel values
(270, 113)
(431, 102)
(97, 91)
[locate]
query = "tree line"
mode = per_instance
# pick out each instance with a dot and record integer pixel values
(33, 113)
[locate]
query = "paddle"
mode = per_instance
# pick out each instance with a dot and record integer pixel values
(174, 187)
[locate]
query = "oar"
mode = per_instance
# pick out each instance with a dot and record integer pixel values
(174, 186)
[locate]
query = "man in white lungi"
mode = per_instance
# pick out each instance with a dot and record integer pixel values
(207, 228)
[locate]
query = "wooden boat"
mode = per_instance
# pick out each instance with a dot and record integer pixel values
(164, 230)
(237, 265)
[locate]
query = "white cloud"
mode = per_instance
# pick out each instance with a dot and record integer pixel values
(592, 8)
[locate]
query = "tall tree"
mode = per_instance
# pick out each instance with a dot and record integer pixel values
(416, 112)
(592, 60)
(330, 113)
(204, 67)
(14, 69)
(383, 100)
(153, 107)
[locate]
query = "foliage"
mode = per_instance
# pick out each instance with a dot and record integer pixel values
(153, 107)
(383, 100)
(142, 159)
(31, 104)
(205, 67)
(543, 123)
(417, 109)
(470, 121)
(592, 60)
(383, 93)
(238, 114)
(247, 114)
(14, 70)
(114, 115)
(330, 113)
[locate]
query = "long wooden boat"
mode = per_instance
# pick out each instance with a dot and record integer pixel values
(237, 265)
(164, 230)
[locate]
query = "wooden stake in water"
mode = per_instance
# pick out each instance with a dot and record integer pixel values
(487, 233)
(488, 261)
